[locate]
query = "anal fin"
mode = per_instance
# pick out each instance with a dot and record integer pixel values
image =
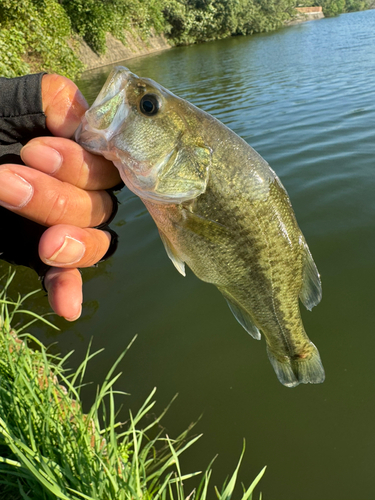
(242, 316)
(311, 291)
(178, 263)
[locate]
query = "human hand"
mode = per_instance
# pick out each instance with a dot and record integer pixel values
(65, 191)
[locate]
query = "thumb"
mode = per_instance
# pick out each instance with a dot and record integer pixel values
(63, 105)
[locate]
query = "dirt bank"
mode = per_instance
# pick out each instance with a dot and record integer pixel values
(307, 14)
(116, 51)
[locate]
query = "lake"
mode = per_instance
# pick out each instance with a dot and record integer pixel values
(303, 97)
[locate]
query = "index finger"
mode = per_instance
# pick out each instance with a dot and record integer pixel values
(68, 161)
(63, 105)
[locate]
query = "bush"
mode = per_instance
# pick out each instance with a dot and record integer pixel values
(202, 20)
(36, 35)
(92, 19)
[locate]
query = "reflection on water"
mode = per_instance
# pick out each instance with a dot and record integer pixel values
(303, 97)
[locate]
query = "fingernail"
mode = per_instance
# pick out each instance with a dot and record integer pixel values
(42, 157)
(73, 318)
(70, 252)
(15, 192)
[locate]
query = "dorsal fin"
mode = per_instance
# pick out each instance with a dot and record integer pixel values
(311, 291)
(172, 254)
(242, 316)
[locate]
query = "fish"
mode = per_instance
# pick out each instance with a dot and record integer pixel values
(219, 207)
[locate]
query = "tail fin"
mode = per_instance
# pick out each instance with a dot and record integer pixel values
(292, 372)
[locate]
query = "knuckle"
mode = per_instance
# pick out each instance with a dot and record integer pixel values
(81, 172)
(101, 207)
(96, 254)
(100, 247)
(59, 209)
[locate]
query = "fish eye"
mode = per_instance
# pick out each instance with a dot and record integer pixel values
(149, 105)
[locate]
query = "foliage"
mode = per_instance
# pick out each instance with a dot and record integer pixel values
(333, 7)
(92, 19)
(257, 16)
(35, 35)
(200, 20)
(50, 449)
(356, 5)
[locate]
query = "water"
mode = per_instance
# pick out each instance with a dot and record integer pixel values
(303, 97)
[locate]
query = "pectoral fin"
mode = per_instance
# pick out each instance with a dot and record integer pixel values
(183, 174)
(311, 291)
(172, 254)
(242, 316)
(208, 229)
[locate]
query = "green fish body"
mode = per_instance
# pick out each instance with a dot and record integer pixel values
(219, 208)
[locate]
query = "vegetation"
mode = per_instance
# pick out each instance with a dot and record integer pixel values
(40, 35)
(201, 20)
(336, 7)
(36, 34)
(92, 19)
(50, 449)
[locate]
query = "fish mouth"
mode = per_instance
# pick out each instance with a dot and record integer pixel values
(116, 81)
(91, 140)
(103, 120)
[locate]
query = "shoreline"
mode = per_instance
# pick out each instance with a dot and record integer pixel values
(303, 17)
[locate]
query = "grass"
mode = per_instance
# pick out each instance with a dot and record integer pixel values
(50, 449)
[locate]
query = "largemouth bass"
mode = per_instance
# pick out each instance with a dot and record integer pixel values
(219, 208)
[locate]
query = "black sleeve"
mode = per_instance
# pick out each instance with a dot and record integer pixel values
(21, 112)
(21, 119)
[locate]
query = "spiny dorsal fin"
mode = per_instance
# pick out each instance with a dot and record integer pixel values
(311, 291)
(172, 254)
(242, 316)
